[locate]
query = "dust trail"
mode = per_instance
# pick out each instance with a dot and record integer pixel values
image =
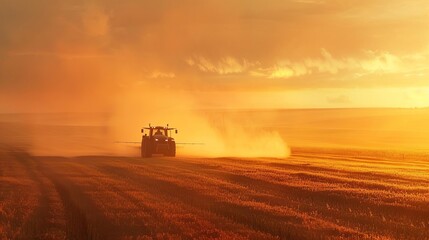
(221, 136)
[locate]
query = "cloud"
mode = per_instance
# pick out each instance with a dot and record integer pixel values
(384, 62)
(381, 62)
(372, 62)
(282, 70)
(226, 65)
(158, 74)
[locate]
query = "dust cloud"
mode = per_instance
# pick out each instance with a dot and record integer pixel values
(201, 132)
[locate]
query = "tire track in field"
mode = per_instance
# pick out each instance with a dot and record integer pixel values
(58, 216)
(18, 197)
(44, 223)
(84, 219)
(124, 202)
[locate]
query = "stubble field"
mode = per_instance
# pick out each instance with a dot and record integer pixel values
(314, 194)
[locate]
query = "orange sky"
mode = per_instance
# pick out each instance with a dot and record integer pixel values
(83, 55)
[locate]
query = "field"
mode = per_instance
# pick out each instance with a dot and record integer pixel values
(352, 174)
(315, 194)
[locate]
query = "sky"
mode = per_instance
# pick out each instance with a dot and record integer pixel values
(73, 55)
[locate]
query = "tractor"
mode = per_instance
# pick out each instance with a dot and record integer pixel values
(158, 140)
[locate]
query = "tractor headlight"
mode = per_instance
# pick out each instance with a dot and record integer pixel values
(156, 139)
(166, 140)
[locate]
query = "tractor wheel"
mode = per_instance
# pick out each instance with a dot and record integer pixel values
(145, 149)
(172, 150)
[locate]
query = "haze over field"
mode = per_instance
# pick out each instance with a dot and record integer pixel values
(158, 62)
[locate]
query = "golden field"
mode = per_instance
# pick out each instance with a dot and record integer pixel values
(315, 194)
(328, 191)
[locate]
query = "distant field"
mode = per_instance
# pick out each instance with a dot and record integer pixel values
(315, 194)
(378, 128)
(74, 134)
